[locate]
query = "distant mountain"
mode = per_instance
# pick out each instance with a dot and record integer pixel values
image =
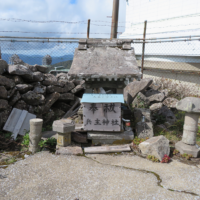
(37, 59)
(65, 64)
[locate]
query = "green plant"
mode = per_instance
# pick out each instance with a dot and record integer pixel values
(137, 140)
(49, 143)
(12, 160)
(152, 158)
(175, 152)
(26, 140)
(160, 119)
(8, 135)
(187, 156)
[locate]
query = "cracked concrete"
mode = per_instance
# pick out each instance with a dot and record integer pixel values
(47, 176)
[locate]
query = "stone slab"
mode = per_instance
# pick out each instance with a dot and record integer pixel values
(69, 150)
(63, 126)
(189, 149)
(107, 149)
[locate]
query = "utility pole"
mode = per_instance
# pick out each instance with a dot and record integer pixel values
(115, 13)
(88, 29)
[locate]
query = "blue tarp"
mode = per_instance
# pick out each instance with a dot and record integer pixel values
(102, 98)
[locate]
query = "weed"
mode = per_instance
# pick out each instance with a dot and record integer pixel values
(175, 152)
(49, 143)
(187, 156)
(165, 159)
(26, 140)
(152, 158)
(137, 140)
(12, 160)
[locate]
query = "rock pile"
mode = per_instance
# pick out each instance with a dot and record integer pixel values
(151, 106)
(31, 88)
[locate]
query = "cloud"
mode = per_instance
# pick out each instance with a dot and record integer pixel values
(60, 10)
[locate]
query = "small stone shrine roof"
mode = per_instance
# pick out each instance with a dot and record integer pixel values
(104, 58)
(102, 98)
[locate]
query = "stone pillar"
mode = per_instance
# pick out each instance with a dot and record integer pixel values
(64, 127)
(35, 134)
(190, 128)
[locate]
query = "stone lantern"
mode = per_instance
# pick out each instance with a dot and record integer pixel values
(191, 105)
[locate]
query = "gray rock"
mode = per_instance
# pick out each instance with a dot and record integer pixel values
(31, 67)
(189, 104)
(168, 114)
(151, 92)
(155, 86)
(37, 77)
(49, 79)
(3, 92)
(58, 112)
(66, 97)
(170, 102)
(20, 70)
(3, 104)
(23, 88)
(39, 89)
(16, 60)
(42, 68)
(67, 88)
(78, 82)
(11, 92)
(62, 106)
(50, 100)
(155, 146)
(77, 89)
(18, 79)
(14, 98)
(159, 97)
(36, 109)
(144, 130)
(139, 112)
(156, 106)
(33, 98)
(135, 87)
(8, 83)
(3, 66)
(140, 101)
(69, 151)
(48, 117)
(62, 76)
(188, 149)
(4, 116)
(21, 105)
(165, 92)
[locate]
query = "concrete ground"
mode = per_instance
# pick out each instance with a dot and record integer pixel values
(47, 176)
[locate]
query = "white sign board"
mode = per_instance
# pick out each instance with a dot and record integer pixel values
(102, 116)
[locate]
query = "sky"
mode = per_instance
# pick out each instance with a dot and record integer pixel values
(59, 10)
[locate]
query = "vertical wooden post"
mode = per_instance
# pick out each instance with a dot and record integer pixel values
(143, 47)
(88, 29)
(0, 52)
(115, 13)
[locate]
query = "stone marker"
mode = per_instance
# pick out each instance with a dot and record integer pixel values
(107, 149)
(192, 107)
(155, 146)
(35, 134)
(64, 127)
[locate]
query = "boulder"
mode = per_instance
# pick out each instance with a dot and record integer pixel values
(78, 82)
(42, 68)
(159, 97)
(49, 79)
(135, 87)
(139, 112)
(21, 105)
(4, 116)
(62, 76)
(77, 89)
(18, 79)
(50, 100)
(31, 67)
(3, 92)
(20, 70)
(3, 66)
(140, 101)
(155, 107)
(37, 77)
(33, 98)
(155, 86)
(170, 102)
(11, 92)
(36, 109)
(16, 60)
(62, 106)
(144, 130)
(165, 92)
(3, 104)
(14, 98)
(66, 97)
(48, 117)
(23, 88)
(53, 88)
(8, 83)
(167, 114)
(58, 112)
(155, 146)
(39, 89)
(151, 92)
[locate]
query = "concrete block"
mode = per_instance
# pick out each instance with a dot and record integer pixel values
(189, 149)
(63, 126)
(107, 149)
(63, 140)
